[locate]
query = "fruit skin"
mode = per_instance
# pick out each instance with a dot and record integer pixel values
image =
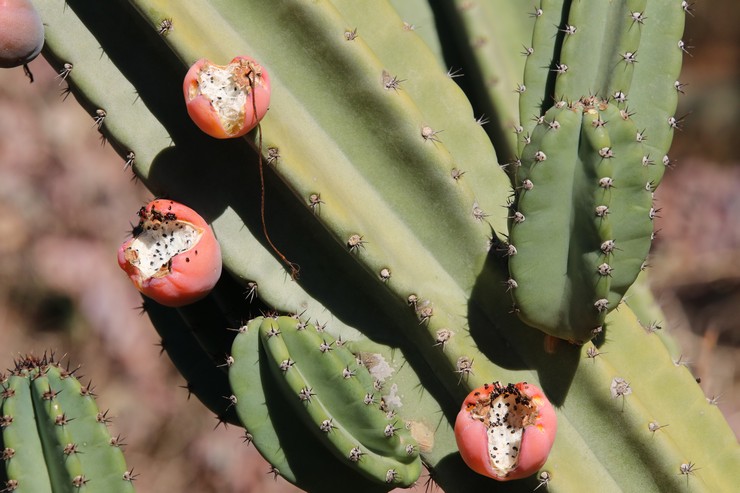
(189, 275)
(537, 440)
(21, 33)
(250, 77)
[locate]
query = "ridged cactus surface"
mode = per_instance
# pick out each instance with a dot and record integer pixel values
(54, 437)
(385, 190)
(582, 221)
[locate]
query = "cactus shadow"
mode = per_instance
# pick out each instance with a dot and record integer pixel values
(509, 342)
(222, 177)
(452, 466)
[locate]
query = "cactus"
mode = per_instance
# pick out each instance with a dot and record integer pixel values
(371, 173)
(54, 436)
(333, 391)
(582, 173)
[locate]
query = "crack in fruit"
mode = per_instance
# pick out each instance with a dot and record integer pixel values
(227, 101)
(505, 432)
(161, 237)
(505, 412)
(173, 256)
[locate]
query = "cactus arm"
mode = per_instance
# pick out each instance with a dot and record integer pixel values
(656, 89)
(53, 437)
(335, 397)
(272, 425)
(144, 132)
(71, 417)
(667, 395)
(608, 29)
(556, 191)
(27, 465)
(126, 128)
(538, 215)
(539, 66)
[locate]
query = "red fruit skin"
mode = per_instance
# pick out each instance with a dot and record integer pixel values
(205, 116)
(21, 33)
(192, 276)
(537, 441)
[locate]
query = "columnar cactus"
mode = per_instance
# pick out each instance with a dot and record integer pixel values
(54, 437)
(382, 186)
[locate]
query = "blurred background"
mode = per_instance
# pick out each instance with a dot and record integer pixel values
(66, 202)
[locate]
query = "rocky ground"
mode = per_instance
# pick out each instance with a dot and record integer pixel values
(65, 199)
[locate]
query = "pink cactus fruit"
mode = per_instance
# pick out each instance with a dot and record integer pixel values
(227, 101)
(173, 256)
(21, 33)
(505, 432)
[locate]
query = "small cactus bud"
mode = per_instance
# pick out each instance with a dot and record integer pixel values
(505, 432)
(227, 101)
(173, 257)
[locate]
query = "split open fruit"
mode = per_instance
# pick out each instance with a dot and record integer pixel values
(173, 256)
(505, 432)
(227, 101)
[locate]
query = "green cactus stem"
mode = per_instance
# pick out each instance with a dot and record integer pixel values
(382, 186)
(23, 450)
(582, 173)
(55, 437)
(336, 397)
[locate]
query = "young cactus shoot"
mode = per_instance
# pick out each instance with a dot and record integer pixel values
(173, 256)
(227, 101)
(505, 432)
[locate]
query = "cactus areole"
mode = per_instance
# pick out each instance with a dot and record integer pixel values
(227, 101)
(505, 432)
(173, 257)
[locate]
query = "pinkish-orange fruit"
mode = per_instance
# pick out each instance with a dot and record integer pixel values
(227, 101)
(505, 432)
(173, 257)
(21, 33)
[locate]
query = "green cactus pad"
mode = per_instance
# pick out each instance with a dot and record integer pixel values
(55, 429)
(581, 223)
(335, 396)
(601, 46)
(23, 451)
(539, 68)
(270, 423)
